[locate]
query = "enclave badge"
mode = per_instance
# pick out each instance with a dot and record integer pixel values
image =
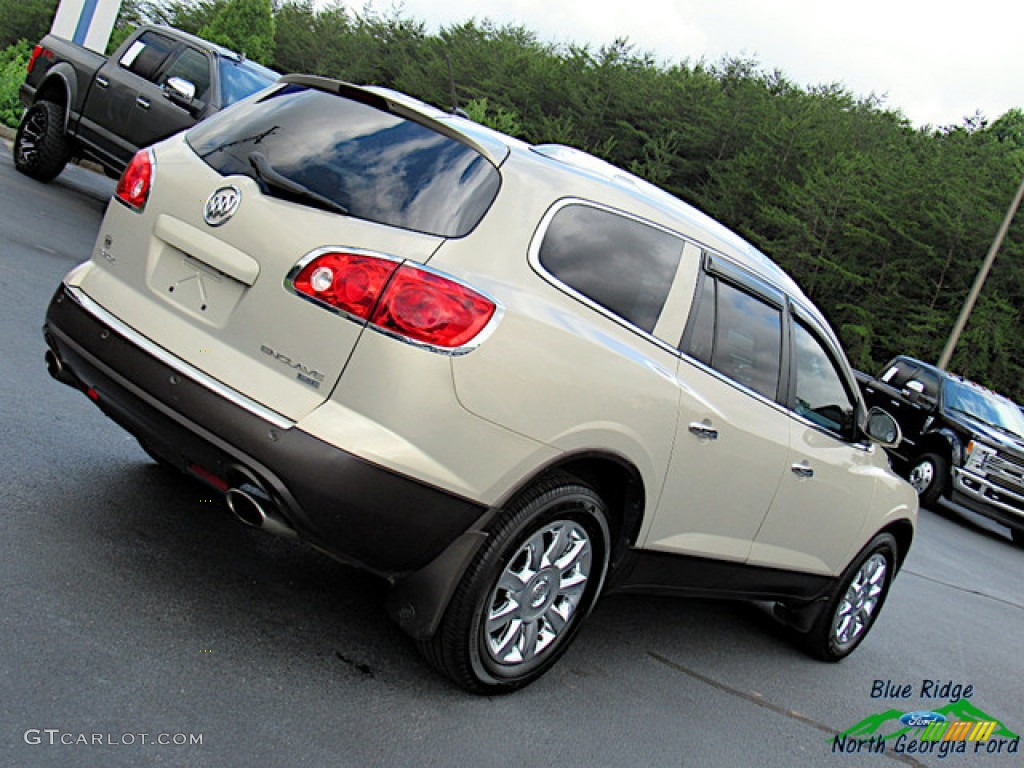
(221, 205)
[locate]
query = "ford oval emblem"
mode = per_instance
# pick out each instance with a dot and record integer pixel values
(221, 205)
(922, 718)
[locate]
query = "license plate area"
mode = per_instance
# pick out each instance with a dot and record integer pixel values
(194, 287)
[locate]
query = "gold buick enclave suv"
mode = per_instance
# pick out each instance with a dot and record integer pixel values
(506, 378)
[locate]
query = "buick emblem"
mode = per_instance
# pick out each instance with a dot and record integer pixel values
(221, 205)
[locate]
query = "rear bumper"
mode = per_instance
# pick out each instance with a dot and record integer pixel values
(353, 509)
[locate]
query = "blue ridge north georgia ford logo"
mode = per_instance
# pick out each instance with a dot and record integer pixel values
(221, 205)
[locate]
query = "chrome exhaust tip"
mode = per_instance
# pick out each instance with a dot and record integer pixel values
(253, 507)
(56, 369)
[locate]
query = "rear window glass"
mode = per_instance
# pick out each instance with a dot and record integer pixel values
(622, 264)
(376, 165)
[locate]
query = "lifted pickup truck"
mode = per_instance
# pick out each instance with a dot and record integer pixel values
(961, 442)
(160, 81)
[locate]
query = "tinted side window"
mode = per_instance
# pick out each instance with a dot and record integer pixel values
(193, 66)
(930, 382)
(748, 340)
(145, 56)
(239, 79)
(702, 335)
(624, 265)
(738, 335)
(820, 394)
(898, 374)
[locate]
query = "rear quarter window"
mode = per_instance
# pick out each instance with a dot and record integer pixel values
(619, 263)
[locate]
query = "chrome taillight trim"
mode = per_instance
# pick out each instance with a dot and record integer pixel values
(469, 346)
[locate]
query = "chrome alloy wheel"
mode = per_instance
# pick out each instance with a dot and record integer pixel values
(856, 609)
(537, 593)
(922, 476)
(32, 134)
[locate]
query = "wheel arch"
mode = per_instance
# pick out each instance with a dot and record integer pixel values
(418, 600)
(58, 88)
(944, 442)
(903, 532)
(617, 481)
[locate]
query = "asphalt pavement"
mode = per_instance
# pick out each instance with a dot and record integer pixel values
(141, 625)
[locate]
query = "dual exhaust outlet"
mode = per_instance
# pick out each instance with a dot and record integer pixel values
(248, 502)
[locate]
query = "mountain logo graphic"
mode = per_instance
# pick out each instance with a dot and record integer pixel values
(956, 721)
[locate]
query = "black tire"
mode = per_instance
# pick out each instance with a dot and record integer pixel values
(41, 150)
(559, 514)
(929, 474)
(851, 611)
(1018, 536)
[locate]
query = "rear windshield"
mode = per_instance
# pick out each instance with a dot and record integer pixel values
(363, 160)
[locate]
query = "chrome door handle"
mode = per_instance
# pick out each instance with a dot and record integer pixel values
(102, 82)
(703, 431)
(802, 470)
(144, 103)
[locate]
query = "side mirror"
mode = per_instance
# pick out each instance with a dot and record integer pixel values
(882, 428)
(180, 91)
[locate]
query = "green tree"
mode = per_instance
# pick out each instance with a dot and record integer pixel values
(25, 20)
(13, 60)
(245, 26)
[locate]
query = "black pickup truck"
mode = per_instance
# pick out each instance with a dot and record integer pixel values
(961, 442)
(160, 81)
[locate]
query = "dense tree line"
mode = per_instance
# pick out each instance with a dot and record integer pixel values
(883, 224)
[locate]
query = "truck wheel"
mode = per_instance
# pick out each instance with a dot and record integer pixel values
(523, 598)
(928, 476)
(41, 150)
(851, 611)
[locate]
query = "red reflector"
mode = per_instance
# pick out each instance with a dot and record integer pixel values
(208, 477)
(36, 52)
(406, 300)
(92, 394)
(134, 185)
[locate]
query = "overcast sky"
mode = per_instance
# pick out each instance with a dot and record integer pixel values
(935, 61)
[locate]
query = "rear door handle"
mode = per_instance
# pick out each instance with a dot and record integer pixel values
(703, 431)
(102, 82)
(802, 470)
(144, 103)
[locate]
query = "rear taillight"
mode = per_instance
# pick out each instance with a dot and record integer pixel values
(36, 53)
(431, 309)
(408, 301)
(134, 185)
(346, 281)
